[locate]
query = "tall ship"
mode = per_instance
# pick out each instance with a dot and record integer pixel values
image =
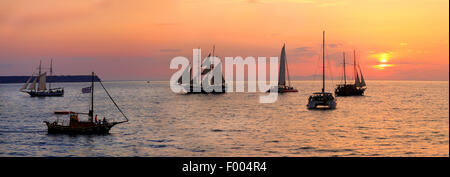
(353, 89)
(41, 89)
(91, 125)
(322, 100)
(282, 87)
(192, 88)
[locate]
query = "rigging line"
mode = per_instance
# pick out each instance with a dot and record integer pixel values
(114, 101)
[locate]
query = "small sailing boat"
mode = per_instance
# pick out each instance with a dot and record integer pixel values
(91, 126)
(191, 87)
(41, 90)
(282, 87)
(356, 89)
(322, 99)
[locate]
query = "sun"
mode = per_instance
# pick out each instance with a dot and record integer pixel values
(383, 58)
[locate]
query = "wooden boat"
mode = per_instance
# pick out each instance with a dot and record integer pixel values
(91, 126)
(41, 90)
(282, 87)
(193, 88)
(322, 100)
(356, 89)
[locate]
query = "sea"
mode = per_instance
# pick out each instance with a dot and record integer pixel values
(392, 119)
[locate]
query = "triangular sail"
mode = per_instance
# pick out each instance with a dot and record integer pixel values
(33, 85)
(42, 82)
(362, 83)
(357, 81)
(282, 72)
(26, 84)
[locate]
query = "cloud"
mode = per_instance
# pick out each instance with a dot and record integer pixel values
(305, 51)
(330, 4)
(333, 45)
(170, 50)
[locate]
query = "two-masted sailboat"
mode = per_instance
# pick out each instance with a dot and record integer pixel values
(192, 88)
(282, 87)
(41, 90)
(322, 99)
(91, 126)
(356, 89)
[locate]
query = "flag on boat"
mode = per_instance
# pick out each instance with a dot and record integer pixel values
(86, 90)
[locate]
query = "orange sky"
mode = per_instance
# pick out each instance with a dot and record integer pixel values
(119, 39)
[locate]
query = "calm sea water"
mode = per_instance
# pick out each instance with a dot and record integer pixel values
(395, 118)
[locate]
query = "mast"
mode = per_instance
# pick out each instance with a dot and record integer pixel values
(345, 77)
(40, 62)
(51, 71)
(323, 63)
(354, 64)
(91, 112)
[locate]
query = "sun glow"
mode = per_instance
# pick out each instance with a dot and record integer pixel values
(382, 66)
(384, 57)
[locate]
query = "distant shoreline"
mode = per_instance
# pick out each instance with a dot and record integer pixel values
(87, 78)
(61, 78)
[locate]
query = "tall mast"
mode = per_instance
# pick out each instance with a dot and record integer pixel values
(212, 60)
(40, 62)
(345, 77)
(51, 71)
(323, 63)
(354, 64)
(91, 112)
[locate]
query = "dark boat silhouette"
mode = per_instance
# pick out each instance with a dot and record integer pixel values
(356, 89)
(91, 126)
(192, 88)
(282, 87)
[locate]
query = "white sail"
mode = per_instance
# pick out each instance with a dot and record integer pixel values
(33, 85)
(26, 84)
(42, 82)
(282, 72)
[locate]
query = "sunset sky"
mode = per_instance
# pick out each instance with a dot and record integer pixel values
(136, 40)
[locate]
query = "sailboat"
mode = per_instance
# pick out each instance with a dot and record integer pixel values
(41, 90)
(322, 99)
(356, 89)
(282, 87)
(191, 87)
(91, 126)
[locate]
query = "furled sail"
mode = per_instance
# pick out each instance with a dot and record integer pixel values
(282, 72)
(42, 82)
(26, 84)
(33, 85)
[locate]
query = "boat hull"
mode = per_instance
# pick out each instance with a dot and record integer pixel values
(321, 105)
(53, 128)
(321, 100)
(349, 90)
(283, 90)
(46, 93)
(202, 91)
